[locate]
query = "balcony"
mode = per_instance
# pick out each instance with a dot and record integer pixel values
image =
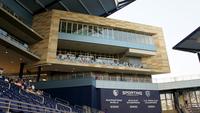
(101, 38)
(15, 25)
(87, 62)
(16, 44)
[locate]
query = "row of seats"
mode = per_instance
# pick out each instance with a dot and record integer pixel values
(30, 101)
(92, 60)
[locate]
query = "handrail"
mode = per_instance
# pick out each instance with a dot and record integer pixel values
(11, 12)
(42, 102)
(61, 100)
(70, 109)
(23, 106)
(11, 39)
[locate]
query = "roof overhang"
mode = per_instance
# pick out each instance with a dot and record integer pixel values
(191, 43)
(92, 7)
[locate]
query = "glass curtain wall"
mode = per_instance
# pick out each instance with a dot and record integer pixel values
(192, 98)
(167, 101)
(104, 32)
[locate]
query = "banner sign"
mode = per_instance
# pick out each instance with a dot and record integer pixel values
(130, 101)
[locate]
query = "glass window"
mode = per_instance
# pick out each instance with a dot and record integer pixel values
(80, 29)
(105, 33)
(90, 30)
(85, 30)
(63, 26)
(95, 32)
(100, 31)
(69, 27)
(169, 105)
(74, 30)
(163, 105)
(168, 96)
(193, 97)
(110, 33)
(198, 96)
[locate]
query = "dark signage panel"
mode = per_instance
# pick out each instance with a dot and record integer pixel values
(130, 101)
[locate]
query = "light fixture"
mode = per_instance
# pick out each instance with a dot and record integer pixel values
(6, 52)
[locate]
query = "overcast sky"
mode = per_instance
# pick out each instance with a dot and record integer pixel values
(178, 18)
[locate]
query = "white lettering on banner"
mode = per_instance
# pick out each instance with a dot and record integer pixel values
(132, 93)
(136, 101)
(114, 106)
(133, 106)
(150, 101)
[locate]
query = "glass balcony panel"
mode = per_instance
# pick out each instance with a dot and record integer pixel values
(101, 34)
(69, 27)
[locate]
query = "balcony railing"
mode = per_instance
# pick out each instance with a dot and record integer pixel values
(99, 60)
(176, 78)
(101, 34)
(11, 39)
(6, 8)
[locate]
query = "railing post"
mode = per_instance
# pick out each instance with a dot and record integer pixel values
(8, 111)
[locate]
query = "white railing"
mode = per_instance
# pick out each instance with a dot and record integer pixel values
(9, 105)
(10, 39)
(61, 100)
(63, 105)
(176, 78)
(100, 60)
(7, 9)
(39, 101)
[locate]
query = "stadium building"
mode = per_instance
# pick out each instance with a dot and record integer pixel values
(72, 51)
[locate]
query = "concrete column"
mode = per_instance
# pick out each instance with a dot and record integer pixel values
(21, 70)
(38, 74)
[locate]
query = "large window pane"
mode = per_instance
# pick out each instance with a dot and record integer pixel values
(169, 105)
(80, 29)
(100, 31)
(69, 27)
(74, 30)
(85, 30)
(162, 96)
(106, 32)
(90, 30)
(168, 96)
(63, 26)
(163, 105)
(198, 96)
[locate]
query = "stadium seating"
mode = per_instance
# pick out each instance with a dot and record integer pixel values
(17, 100)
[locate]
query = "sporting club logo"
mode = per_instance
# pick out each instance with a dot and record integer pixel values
(148, 93)
(115, 93)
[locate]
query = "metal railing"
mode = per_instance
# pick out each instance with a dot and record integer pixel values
(7, 9)
(61, 100)
(13, 105)
(63, 106)
(39, 101)
(176, 78)
(8, 38)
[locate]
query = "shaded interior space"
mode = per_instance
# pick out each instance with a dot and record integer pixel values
(10, 60)
(13, 25)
